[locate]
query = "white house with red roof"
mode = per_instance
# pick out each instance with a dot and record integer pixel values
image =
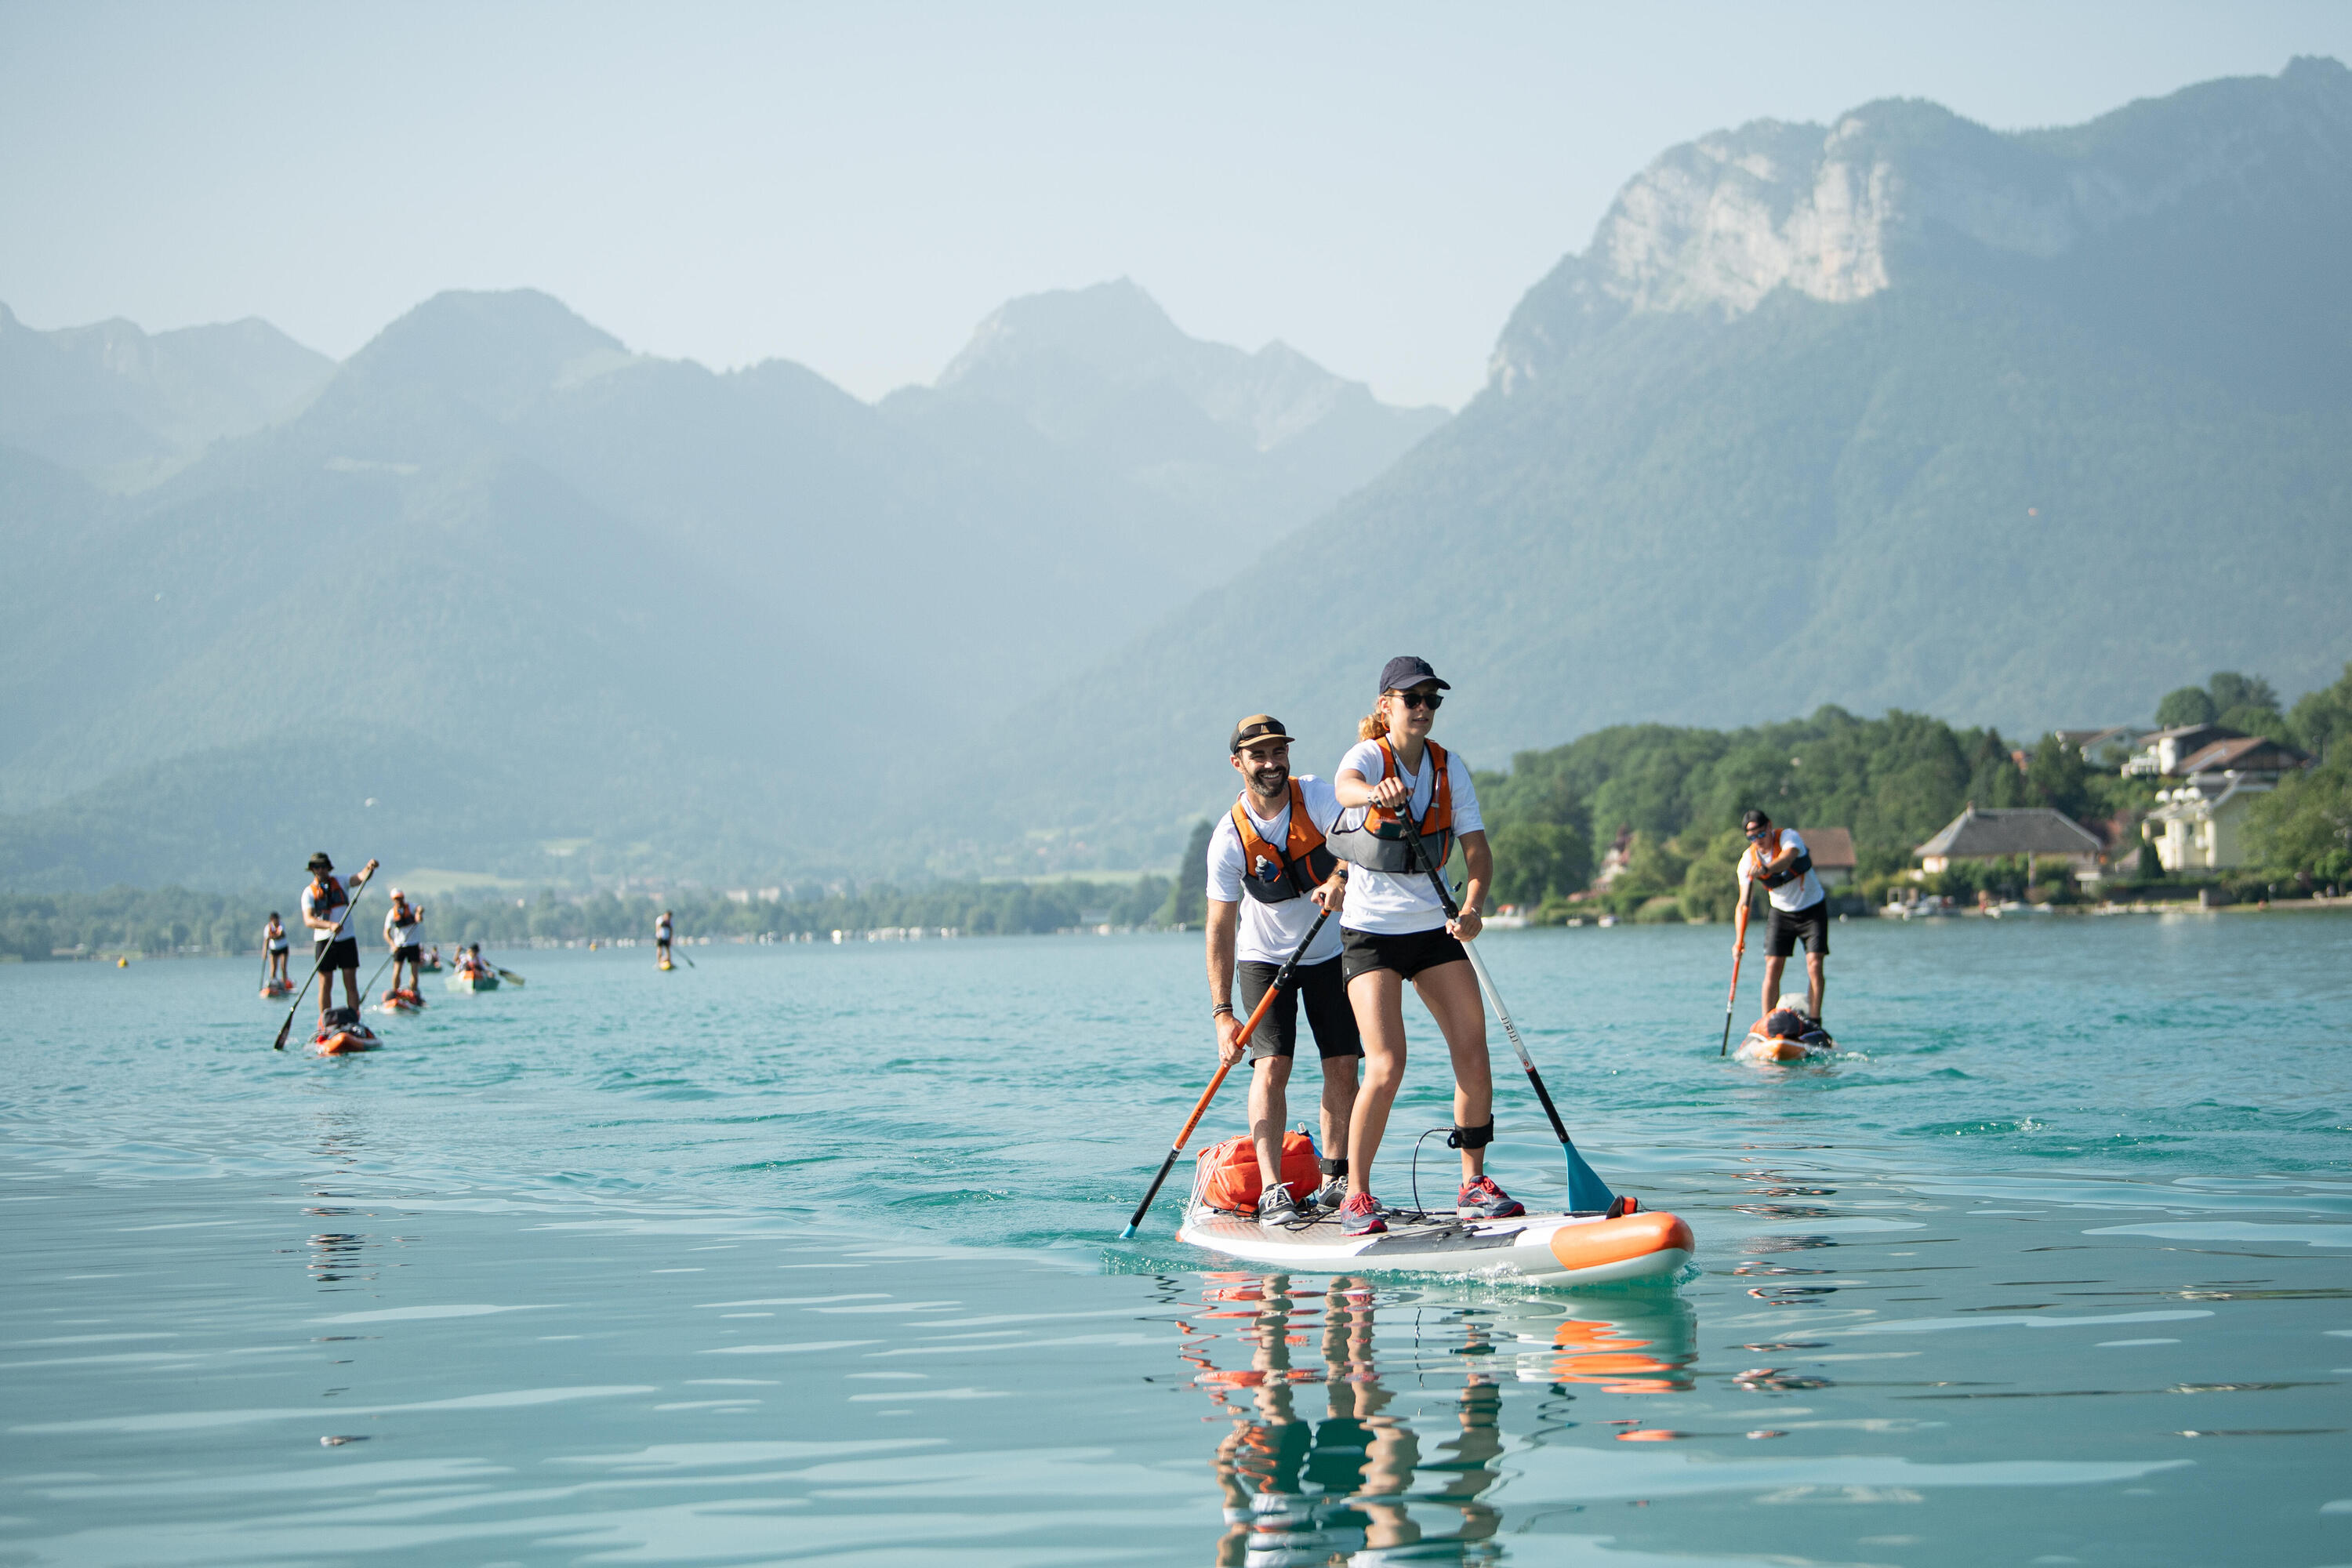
(2198, 824)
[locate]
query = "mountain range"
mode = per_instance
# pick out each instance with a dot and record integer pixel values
(2012, 427)
(1899, 411)
(498, 594)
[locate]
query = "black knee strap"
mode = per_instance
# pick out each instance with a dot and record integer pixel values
(1470, 1137)
(1334, 1167)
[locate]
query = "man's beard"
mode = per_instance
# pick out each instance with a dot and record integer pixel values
(1281, 777)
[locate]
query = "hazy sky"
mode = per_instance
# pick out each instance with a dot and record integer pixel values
(855, 186)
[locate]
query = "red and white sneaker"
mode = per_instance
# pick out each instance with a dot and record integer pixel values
(1482, 1199)
(1361, 1216)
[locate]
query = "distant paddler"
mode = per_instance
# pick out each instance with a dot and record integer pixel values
(1394, 928)
(1270, 874)
(1777, 858)
(470, 962)
(663, 930)
(273, 946)
(404, 933)
(326, 911)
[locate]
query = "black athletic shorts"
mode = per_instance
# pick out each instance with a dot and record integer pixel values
(412, 953)
(1328, 1013)
(1810, 925)
(343, 953)
(1365, 950)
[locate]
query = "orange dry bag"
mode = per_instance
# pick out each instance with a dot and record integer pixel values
(1229, 1177)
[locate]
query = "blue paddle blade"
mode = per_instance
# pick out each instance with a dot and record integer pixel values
(1586, 1190)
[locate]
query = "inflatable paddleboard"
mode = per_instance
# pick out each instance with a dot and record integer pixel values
(342, 1034)
(397, 1002)
(665, 964)
(276, 988)
(1769, 1050)
(1555, 1249)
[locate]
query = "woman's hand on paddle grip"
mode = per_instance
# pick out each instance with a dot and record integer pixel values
(1465, 926)
(1389, 794)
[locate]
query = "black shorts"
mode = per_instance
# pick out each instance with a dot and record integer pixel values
(1810, 925)
(1328, 1013)
(411, 953)
(343, 953)
(1365, 950)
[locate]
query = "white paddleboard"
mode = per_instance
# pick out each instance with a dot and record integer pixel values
(1556, 1249)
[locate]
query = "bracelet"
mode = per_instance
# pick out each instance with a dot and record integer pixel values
(1222, 1010)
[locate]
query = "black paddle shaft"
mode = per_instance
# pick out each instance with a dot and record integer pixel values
(1454, 911)
(1281, 978)
(352, 899)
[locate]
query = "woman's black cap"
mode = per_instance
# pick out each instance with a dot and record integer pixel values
(1753, 820)
(1409, 670)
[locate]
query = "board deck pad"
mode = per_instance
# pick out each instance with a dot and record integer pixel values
(1586, 1249)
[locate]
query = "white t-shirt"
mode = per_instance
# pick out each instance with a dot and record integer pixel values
(1801, 893)
(409, 935)
(310, 907)
(1392, 903)
(274, 940)
(1270, 933)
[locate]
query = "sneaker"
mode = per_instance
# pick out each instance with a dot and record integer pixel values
(1276, 1206)
(1330, 1194)
(1360, 1216)
(1482, 1199)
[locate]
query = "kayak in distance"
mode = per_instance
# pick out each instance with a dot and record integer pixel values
(1784, 1036)
(341, 1033)
(460, 981)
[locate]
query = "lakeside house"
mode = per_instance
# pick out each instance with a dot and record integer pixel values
(2031, 833)
(2162, 754)
(2198, 824)
(2109, 747)
(1832, 849)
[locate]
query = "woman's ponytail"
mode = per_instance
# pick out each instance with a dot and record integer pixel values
(1372, 726)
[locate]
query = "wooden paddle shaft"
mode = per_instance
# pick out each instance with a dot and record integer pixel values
(1739, 951)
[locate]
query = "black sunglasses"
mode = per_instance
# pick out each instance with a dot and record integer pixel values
(1430, 699)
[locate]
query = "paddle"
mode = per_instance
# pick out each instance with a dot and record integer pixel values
(510, 976)
(1739, 951)
(1586, 1190)
(369, 989)
(1257, 1014)
(351, 908)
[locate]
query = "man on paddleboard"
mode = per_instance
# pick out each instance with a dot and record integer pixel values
(1778, 857)
(663, 930)
(404, 933)
(1270, 877)
(327, 910)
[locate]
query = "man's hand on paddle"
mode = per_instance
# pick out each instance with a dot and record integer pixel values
(1330, 895)
(1229, 1044)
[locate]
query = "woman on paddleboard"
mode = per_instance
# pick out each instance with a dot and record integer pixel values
(1394, 929)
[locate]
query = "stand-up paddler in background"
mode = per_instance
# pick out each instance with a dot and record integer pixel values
(326, 911)
(404, 933)
(663, 931)
(274, 945)
(1270, 876)
(1394, 930)
(1778, 857)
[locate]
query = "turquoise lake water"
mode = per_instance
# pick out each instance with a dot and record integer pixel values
(807, 1256)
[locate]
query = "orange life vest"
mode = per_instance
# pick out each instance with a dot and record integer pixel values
(1277, 873)
(1380, 845)
(1787, 874)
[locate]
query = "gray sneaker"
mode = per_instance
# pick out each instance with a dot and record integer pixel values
(1276, 1206)
(1330, 1194)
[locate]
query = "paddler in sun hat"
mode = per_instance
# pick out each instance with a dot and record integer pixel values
(1394, 930)
(404, 933)
(326, 911)
(663, 931)
(1777, 858)
(1270, 876)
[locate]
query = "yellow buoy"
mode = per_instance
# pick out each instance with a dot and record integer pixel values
(122, 964)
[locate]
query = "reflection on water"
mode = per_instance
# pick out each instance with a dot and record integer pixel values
(1409, 1439)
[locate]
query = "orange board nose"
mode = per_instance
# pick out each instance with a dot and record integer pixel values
(1615, 1240)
